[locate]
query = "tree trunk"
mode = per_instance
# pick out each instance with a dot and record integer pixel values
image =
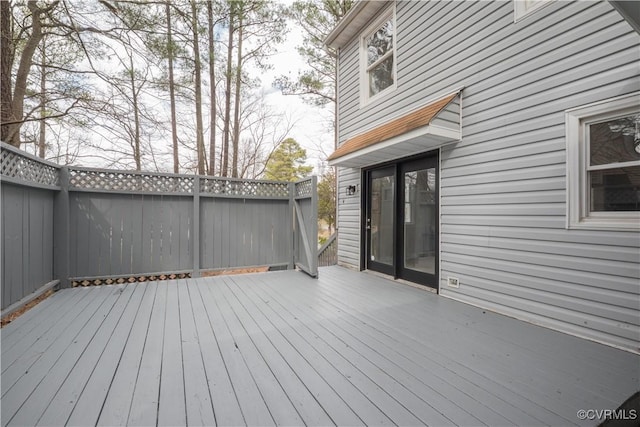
(6, 61)
(236, 105)
(212, 86)
(172, 91)
(136, 115)
(26, 58)
(335, 107)
(42, 138)
(198, 89)
(227, 95)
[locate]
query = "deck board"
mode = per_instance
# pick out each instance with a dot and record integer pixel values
(16, 344)
(306, 370)
(308, 347)
(469, 356)
(120, 388)
(250, 399)
(65, 399)
(88, 405)
(541, 367)
(281, 348)
(307, 407)
(279, 403)
(433, 357)
(33, 317)
(411, 375)
(402, 406)
(172, 406)
(226, 409)
(41, 384)
(146, 394)
(199, 412)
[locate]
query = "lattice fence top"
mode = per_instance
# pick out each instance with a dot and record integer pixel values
(241, 188)
(129, 181)
(19, 166)
(304, 188)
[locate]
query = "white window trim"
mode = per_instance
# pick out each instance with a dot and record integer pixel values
(521, 11)
(576, 122)
(365, 99)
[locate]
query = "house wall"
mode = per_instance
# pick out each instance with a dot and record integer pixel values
(503, 187)
(349, 218)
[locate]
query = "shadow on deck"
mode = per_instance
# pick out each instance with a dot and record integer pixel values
(282, 348)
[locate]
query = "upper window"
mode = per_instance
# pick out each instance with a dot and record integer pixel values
(522, 8)
(378, 67)
(603, 170)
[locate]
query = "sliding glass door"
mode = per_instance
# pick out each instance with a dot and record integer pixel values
(401, 220)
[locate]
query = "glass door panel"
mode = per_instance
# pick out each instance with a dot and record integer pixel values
(380, 220)
(417, 259)
(420, 220)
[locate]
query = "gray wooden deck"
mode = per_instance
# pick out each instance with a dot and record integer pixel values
(281, 348)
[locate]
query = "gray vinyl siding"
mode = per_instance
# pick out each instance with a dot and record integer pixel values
(503, 187)
(349, 218)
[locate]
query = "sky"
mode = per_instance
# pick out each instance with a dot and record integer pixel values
(313, 127)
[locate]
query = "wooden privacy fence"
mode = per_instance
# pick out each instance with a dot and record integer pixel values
(76, 225)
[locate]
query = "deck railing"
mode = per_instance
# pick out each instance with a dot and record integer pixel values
(328, 252)
(82, 226)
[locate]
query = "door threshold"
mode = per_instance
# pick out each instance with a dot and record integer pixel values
(402, 281)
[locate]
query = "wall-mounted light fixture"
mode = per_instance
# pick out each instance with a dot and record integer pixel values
(351, 190)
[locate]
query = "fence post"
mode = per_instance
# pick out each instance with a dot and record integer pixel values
(292, 239)
(313, 238)
(196, 226)
(61, 230)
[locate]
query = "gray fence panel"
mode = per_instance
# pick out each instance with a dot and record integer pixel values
(27, 240)
(93, 224)
(306, 225)
(121, 234)
(244, 232)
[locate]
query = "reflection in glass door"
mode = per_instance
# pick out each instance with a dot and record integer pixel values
(419, 228)
(380, 220)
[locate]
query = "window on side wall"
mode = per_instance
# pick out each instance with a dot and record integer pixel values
(603, 164)
(378, 57)
(523, 8)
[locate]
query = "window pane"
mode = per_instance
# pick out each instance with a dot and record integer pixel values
(615, 140)
(380, 42)
(381, 77)
(615, 189)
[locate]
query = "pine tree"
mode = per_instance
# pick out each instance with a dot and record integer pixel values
(287, 162)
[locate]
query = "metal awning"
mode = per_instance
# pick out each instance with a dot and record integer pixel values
(421, 130)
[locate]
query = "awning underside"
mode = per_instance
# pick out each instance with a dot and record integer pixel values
(427, 128)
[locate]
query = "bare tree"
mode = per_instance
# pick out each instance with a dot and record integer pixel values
(227, 91)
(198, 88)
(13, 97)
(212, 89)
(172, 89)
(264, 129)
